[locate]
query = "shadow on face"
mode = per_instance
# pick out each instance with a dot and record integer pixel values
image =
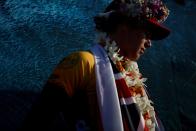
(132, 41)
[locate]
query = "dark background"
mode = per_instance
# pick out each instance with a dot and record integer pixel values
(36, 34)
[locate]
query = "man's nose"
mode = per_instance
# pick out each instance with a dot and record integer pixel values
(148, 43)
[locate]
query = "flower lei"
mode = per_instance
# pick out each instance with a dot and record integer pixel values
(133, 78)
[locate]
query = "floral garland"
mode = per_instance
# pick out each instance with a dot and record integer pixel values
(133, 78)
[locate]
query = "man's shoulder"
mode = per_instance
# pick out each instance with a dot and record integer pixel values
(87, 58)
(78, 58)
(85, 55)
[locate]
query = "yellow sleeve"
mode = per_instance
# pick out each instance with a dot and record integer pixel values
(74, 72)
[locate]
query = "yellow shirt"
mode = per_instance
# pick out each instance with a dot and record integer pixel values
(74, 73)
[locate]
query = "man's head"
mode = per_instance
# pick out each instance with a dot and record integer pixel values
(132, 24)
(131, 41)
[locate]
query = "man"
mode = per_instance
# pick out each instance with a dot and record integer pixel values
(102, 89)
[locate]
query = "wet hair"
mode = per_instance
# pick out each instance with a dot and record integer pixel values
(113, 18)
(109, 24)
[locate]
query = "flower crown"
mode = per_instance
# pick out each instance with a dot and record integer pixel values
(142, 9)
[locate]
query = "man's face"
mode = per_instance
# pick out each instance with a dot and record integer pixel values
(132, 42)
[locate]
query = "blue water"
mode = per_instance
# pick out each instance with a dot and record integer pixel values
(36, 35)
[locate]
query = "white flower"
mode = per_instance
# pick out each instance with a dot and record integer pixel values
(149, 122)
(143, 80)
(130, 82)
(152, 113)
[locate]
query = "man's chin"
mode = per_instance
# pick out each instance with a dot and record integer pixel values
(135, 58)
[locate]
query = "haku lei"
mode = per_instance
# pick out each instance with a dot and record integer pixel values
(133, 78)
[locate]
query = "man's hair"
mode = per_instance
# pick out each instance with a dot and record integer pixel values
(110, 23)
(112, 18)
(131, 12)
